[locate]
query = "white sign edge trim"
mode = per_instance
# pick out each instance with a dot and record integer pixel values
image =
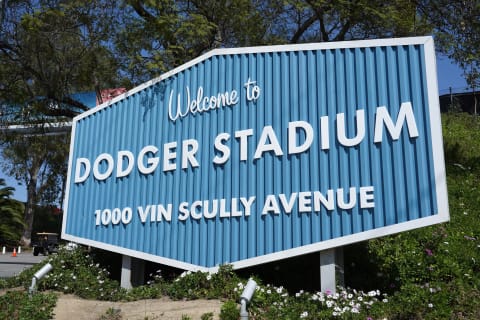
(437, 149)
(135, 253)
(436, 130)
(263, 49)
(271, 257)
(69, 172)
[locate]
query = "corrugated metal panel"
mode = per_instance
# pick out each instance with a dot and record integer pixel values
(296, 85)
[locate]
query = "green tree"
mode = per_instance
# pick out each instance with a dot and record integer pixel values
(338, 20)
(11, 215)
(40, 163)
(48, 51)
(457, 32)
(160, 35)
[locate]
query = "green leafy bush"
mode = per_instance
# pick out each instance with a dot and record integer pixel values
(18, 305)
(229, 311)
(434, 270)
(194, 285)
(74, 271)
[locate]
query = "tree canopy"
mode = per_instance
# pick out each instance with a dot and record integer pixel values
(160, 35)
(50, 50)
(457, 31)
(11, 215)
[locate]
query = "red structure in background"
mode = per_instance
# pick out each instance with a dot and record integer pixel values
(109, 94)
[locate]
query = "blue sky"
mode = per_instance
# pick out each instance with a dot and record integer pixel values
(448, 73)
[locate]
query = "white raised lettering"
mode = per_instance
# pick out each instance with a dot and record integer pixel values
(263, 146)
(96, 166)
(271, 205)
(383, 117)
(121, 155)
(367, 198)
(342, 136)
(152, 162)
(169, 154)
(188, 155)
(292, 135)
(243, 135)
(225, 150)
(78, 169)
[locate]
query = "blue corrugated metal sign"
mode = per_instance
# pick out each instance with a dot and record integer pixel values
(250, 155)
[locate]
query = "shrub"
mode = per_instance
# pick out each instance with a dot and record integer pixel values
(74, 271)
(18, 305)
(433, 270)
(194, 285)
(229, 311)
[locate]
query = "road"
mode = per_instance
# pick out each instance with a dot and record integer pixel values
(10, 266)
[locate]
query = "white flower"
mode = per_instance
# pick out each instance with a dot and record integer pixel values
(304, 314)
(269, 291)
(355, 310)
(209, 277)
(430, 305)
(279, 290)
(385, 300)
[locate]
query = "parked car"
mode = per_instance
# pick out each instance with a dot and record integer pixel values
(46, 243)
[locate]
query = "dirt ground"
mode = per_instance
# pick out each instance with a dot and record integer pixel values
(70, 307)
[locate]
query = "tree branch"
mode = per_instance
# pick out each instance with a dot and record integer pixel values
(140, 10)
(304, 27)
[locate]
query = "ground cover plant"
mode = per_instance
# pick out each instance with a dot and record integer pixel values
(429, 273)
(17, 305)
